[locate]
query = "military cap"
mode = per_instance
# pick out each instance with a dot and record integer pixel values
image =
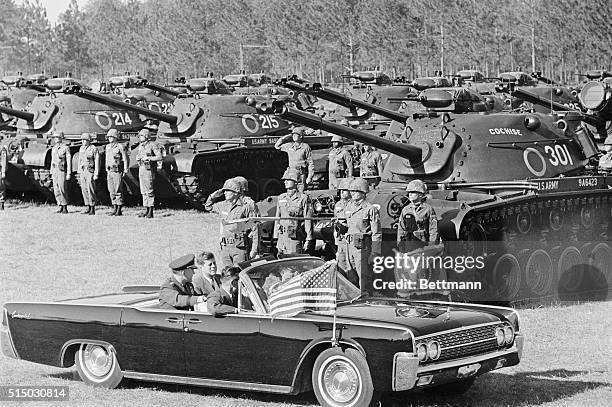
(290, 174)
(337, 138)
(144, 132)
(58, 134)
(345, 183)
(417, 185)
(299, 130)
(232, 185)
(359, 184)
(184, 262)
(244, 184)
(112, 133)
(86, 136)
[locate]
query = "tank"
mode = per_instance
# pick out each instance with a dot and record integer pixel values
(595, 97)
(21, 91)
(138, 91)
(517, 189)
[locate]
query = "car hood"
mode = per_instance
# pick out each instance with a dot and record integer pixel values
(420, 318)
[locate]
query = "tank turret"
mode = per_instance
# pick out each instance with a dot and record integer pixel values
(516, 189)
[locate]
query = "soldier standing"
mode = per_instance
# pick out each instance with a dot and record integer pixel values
(61, 170)
(340, 162)
(237, 241)
(292, 234)
(418, 224)
(364, 235)
(253, 235)
(3, 165)
(371, 166)
(149, 154)
(299, 154)
(117, 164)
(89, 169)
(340, 226)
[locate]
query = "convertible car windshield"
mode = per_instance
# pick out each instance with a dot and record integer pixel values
(270, 277)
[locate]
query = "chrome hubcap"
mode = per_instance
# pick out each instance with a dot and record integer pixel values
(97, 360)
(341, 381)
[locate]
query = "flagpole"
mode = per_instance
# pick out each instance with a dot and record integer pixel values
(334, 341)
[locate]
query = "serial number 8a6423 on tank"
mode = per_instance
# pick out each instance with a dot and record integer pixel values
(375, 345)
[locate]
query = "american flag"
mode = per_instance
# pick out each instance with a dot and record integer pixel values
(313, 290)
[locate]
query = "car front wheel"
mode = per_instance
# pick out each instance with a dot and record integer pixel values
(97, 365)
(341, 378)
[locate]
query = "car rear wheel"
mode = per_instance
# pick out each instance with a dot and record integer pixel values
(341, 378)
(452, 389)
(97, 365)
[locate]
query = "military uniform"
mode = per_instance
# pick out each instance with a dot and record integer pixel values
(291, 234)
(176, 295)
(417, 226)
(89, 170)
(235, 238)
(61, 169)
(300, 160)
(340, 229)
(340, 165)
(3, 168)
(116, 162)
(147, 170)
(371, 167)
(364, 237)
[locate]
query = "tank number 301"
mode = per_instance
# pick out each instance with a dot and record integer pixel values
(252, 123)
(556, 155)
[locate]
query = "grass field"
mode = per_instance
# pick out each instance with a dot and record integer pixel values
(45, 256)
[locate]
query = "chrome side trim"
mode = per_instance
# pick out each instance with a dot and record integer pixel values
(460, 329)
(466, 361)
(221, 384)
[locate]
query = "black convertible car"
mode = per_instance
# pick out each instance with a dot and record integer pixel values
(379, 344)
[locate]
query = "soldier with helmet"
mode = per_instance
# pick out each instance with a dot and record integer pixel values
(238, 241)
(117, 162)
(299, 154)
(605, 162)
(371, 166)
(89, 171)
(61, 170)
(244, 188)
(341, 226)
(418, 225)
(149, 154)
(340, 162)
(292, 234)
(364, 235)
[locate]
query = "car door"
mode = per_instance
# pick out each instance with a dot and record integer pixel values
(223, 348)
(152, 341)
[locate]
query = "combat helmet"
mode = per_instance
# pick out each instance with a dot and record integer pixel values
(86, 136)
(344, 184)
(145, 132)
(336, 138)
(112, 133)
(417, 185)
(290, 174)
(359, 184)
(231, 185)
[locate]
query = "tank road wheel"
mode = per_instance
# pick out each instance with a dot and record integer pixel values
(507, 277)
(570, 270)
(97, 365)
(601, 259)
(539, 273)
(341, 378)
(271, 187)
(254, 190)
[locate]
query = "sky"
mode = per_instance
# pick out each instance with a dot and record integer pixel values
(55, 7)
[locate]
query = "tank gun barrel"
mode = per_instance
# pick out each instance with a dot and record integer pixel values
(162, 117)
(406, 151)
(341, 99)
(27, 116)
(161, 89)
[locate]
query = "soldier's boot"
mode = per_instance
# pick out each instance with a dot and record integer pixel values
(88, 211)
(145, 213)
(92, 210)
(60, 210)
(150, 212)
(118, 212)
(64, 209)
(114, 212)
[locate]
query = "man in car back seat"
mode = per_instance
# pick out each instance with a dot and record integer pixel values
(206, 280)
(224, 300)
(177, 291)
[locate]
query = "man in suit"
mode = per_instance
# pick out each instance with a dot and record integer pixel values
(206, 280)
(224, 300)
(177, 291)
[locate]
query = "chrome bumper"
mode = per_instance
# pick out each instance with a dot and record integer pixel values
(407, 373)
